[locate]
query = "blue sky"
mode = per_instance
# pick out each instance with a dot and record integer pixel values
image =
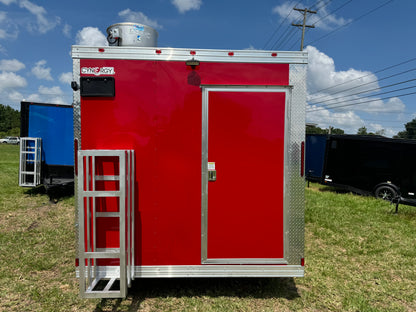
(350, 49)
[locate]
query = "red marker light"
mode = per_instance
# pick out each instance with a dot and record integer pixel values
(158, 51)
(274, 54)
(192, 52)
(302, 262)
(101, 50)
(230, 53)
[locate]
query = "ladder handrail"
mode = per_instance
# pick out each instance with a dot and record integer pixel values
(30, 161)
(88, 253)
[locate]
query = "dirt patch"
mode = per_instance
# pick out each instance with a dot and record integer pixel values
(25, 219)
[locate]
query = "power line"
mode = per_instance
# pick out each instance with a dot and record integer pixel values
(321, 7)
(335, 105)
(285, 33)
(303, 25)
(365, 91)
(361, 85)
(285, 38)
(354, 20)
(376, 72)
(280, 25)
(352, 104)
(340, 7)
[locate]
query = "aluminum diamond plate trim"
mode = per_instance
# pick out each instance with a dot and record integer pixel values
(76, 103)
(296, 184)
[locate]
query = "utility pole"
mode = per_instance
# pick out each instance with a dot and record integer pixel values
(305, 12)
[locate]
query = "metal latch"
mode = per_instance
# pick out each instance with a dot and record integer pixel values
(212, 175)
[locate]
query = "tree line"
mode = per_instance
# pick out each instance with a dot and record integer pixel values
(9, 121)
(409, 132)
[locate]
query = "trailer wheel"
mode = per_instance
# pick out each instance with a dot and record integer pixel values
(385, 192)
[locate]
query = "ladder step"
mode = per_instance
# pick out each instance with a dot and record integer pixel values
(107, 214)
(103, 253)
(107, 178)
(101, 193)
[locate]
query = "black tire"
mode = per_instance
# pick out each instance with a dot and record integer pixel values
(386, 192)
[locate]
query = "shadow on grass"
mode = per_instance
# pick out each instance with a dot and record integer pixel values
(262, 288)
(55, 192)
(333, 189)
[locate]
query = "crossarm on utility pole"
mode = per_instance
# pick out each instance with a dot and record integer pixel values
(303, 25)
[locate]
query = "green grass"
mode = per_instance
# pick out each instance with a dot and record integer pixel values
(359, 257)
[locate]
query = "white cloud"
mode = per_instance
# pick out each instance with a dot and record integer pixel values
(53, 95)
(66, 30)
(348, 121)
(330, 88)
(322, 19)
(7, 2)
(338, 98)
(9, 81)
(138, 17)
(8, 27)
(3, 16)
(11, 65)
(42, 72)
(15, 96)
(66, 78)
(187, 5)
(34, 98)
(322, 75)
(44, 23)
(91, 36)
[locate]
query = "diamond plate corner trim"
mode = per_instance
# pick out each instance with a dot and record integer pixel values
(296, 185)
(76, 104)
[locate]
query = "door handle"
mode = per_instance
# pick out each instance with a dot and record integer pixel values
(212, 175)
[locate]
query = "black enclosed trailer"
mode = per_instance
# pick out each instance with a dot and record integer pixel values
(315, 145)
(371, 165)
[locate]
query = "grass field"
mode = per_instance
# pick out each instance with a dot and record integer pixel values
(359, 257)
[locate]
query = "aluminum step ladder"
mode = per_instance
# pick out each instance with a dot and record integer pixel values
(30, 161)
(105, 188)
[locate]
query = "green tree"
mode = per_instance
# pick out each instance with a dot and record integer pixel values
(409, 133)
(335, 130)
(9, 120)
(362, 131)
(312, 129)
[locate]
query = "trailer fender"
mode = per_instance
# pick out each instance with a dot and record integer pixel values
(387, 191)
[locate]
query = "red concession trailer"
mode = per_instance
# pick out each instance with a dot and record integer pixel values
(189, 163)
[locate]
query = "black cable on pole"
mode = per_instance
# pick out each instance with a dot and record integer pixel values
(335, 105)
(354, 20)
(361, 92)
(319, 1)
(280, 25)
(355, 87)
(376, 72)
(340, 7)
(286, 38)
(385, 98)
